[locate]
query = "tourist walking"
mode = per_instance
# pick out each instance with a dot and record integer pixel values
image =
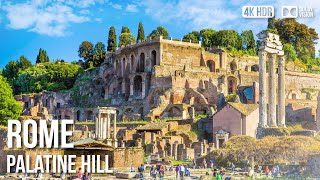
(219, 176)
(267, 171)
(211, 163)
(182, 170)
(79, 174)
(233, 167)
(153, 172)
(161, 172)
(204, 163)
(194, 162)
(141, 171)
(177, 171)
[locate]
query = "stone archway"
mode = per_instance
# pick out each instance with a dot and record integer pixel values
(137, 86)
(212, 65)
(232, 85)
(175, 112)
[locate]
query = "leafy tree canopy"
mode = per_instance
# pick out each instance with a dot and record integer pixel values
(140, 32)
(112, 39)
(42, 56)
(126, 39)
(9, 107)
(160, 31)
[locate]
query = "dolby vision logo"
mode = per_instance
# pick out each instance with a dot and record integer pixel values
(289, 11)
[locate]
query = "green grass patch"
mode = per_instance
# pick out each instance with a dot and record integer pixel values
(134, 122)
(84, 123)
(176, 162)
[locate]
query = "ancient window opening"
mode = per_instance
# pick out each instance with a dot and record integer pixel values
(255, 68)
(78, 115)
(137, 86)
(141, 113)
(58, 105)
(141, 63)
(123, 66)
(89, 115)
(233, 66)
(153, 58)
(212, 65)
(232, 85)
(132, 63)
(294, 96)
(47, 103)
(26, 105)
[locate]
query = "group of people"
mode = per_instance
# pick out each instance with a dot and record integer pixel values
(273, 172)
(181, 171)
(83, 176)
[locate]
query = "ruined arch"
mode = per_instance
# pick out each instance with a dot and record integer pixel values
(174, 111)
(232, 85)
(137, 86)
(140, 67)
(255, 68)
(212, 65)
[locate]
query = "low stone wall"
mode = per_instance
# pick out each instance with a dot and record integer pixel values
(125, 157)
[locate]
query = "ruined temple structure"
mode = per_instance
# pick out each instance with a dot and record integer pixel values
(271, 48)
(163, 78)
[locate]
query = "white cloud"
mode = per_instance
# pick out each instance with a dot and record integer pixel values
(98, 20)
(193, 14)
(42, 17)
(80, 3)
(116, 6)
(84, 11)
(132, 8)
(221, 14)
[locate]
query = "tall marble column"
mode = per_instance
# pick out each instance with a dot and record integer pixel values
(115, 142)
(262, 89)
(97, 126)
(104, 127)
(272, 110)
(281, 93)
(108, 126)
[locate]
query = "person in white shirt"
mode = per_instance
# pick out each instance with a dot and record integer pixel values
(182, 170)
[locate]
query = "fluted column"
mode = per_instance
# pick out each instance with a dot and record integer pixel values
(272, 113)
(115, 142)
(97, 126)
(281, 93)
(104, 127)
(108, 126)
(262, 89)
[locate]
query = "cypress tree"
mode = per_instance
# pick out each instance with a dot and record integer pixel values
(125, 29)
(112, 39)
(140, 32)
(42, 56)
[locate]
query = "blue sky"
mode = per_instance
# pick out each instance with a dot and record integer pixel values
(59, 26)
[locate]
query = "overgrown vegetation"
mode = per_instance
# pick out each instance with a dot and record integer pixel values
(269, 150)
(51, 76)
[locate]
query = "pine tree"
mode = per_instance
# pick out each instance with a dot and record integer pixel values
(112, 39)
(140, 32)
